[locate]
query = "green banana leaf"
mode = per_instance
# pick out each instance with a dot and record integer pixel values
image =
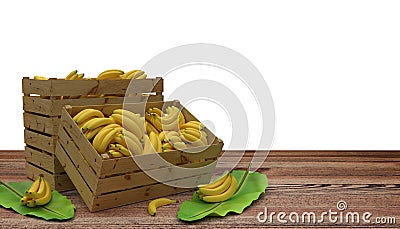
(254, 186)
(59, 207)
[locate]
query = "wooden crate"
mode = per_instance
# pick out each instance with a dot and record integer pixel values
(43, 101)
(107, 183)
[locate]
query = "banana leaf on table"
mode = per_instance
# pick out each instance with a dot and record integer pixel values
(59, 207)
(254, 186)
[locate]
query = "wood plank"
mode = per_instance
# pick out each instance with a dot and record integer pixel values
(59, 182)
(79, 182)
(78, 160)
(47, 125)
(163, 175)
(133, 196)
(38, 105)
(43, 160)
(61, 87)
(90, 154)
(40, 141)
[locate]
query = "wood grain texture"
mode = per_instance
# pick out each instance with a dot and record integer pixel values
(300, 181)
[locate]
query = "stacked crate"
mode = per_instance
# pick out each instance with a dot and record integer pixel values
(43, 101)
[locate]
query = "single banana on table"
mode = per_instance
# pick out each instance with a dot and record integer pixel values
(154, 204)
(218, 191)
(39, 193)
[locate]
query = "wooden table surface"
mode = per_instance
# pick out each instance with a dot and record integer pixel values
(299, 182)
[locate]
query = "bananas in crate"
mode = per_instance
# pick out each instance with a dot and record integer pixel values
(111, 74)
(39, 193)
(124, 133)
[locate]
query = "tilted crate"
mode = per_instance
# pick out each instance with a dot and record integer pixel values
(43, 101)
(107, 183)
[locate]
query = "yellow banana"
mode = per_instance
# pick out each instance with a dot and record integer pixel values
(216, 183)
(150, 128)
(89, 134)
(96, 122)
(115, 153)
(24, 200)
(167, 146)
(133, 146)
(159, 146)
(110, 74)
(47, 197)
(154, 204)
(157, 111)
(87, 113)
(225, 195)
(173, 115)
(171, 126)
(132, 136)
(194, 132)
(174, 139)
(128, 124)
(113, 126)
(34, 187)
(219, 189)
(31, 203)
(136, 74)
(120, 140)
(40, 78)
(79, 76)
(41, 190)
(179, 145)
(141, 77)
(73, 77)
(193, 124)
(129, 75)
(103, 139)
(155, 120)
(122, 149)
(162, 136)
(68, 77)
(169, 134)
(154, 140)
(133, 116)
(182, 119)
(148, 147)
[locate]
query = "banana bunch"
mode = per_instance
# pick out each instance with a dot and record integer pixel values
(218, 191)
(39, 193)
(124, 133)
(172, 129)
(110, 74)
(154, 204)
(108, 136)
(114, 74)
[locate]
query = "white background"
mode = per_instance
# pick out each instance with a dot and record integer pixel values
(333, 67)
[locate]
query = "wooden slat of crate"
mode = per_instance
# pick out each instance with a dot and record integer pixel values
(90, 154)
(59, 182)
(133, 195)
(44, 124)
(43, 160)
(77, 159)
(40, 141)
(61, 87)
(49, 107)
(76, 178)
